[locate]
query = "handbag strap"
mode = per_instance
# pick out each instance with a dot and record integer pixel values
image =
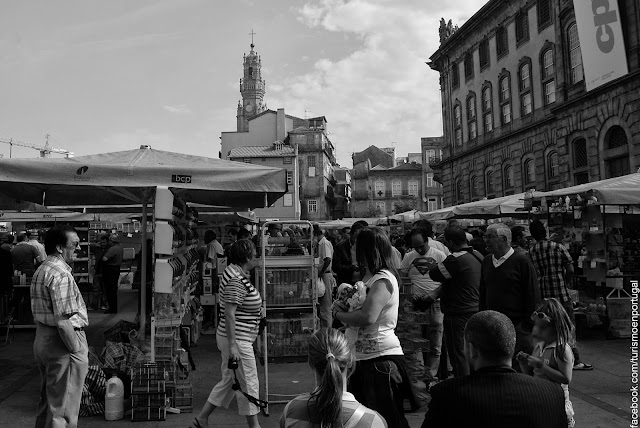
(355, 417)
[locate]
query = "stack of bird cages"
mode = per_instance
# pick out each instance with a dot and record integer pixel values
(409, 330)
(148, 391)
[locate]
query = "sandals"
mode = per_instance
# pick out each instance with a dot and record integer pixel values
(583, 366)
(196, 423)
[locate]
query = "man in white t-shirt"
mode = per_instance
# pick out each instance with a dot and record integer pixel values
(426, 292)
(325, 257)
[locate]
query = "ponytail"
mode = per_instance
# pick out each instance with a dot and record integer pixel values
(329, 356)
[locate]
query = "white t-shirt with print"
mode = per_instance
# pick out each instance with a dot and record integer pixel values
(418, 268)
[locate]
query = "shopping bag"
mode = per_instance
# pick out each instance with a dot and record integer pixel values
(320, 287)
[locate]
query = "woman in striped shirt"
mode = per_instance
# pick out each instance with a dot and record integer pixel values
(241, 306)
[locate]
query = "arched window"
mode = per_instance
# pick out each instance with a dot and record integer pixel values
(473, 186)
(575, 56)
(616, 137)
(548, 77)
(616, 152)
(508, 177)
(250, 71)
(457, 123)
(529, 172)
(524, 78)
(580, 153)
(471, 116)
(552, 165)
(457, 191)
(487, 109)
(489, 183)
(505, 100)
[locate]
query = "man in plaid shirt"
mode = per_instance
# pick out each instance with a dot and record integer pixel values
(60, 346)
(554, 267)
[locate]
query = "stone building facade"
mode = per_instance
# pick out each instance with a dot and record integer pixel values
(516, 111)
(379, 191)
(432, 196)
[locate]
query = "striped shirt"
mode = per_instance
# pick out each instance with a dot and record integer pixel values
(55, 295)
(296, 414)
(235, 288)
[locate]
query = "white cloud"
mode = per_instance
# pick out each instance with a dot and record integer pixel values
(177, 109)
(383, 91)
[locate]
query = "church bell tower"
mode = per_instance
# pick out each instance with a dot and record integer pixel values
(252, 89)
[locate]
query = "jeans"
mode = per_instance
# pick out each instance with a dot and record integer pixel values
(110, 278)
(62, 378)
(433, 332)
(324, 302)
(454, 338)
(376, 385)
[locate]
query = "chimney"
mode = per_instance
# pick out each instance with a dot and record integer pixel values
(281, 125)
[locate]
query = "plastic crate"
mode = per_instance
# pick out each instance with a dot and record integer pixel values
(149, 406)
(180, 396)
(151, 377)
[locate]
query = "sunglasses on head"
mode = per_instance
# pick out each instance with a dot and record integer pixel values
(540, 316)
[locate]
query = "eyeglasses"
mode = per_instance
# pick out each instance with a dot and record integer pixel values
(540, 316)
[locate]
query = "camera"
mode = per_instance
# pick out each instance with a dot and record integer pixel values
(232, 364)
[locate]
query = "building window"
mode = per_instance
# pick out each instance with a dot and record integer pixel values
(413, 188)
(286, 160)
(457, 191)
(548, 76)
(489, 183)
(468, 66)
(246, 160)
(432, 204)
(429, 155)
(455, 75)
(379, 188)
(312, 206)
(616, 137)
(529, 172)
(508, 177)
(553, 167)
(487, 114)
(575, 56)
(544, 13)
(502, 42)
(617, 167)
(581, 178)
(429, 179)
(547, 64)
(381, 207)
(311, 163)
(396, 188)
(288, 200)
(526, 102)
(505, 99)
(522, 27)
(483, 52)
(289, 177)
(457, 113)
(580, 153)
(473, 186)
(471, 117)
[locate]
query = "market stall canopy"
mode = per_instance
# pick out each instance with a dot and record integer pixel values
(512, 206)
(406, 217)
(120, 178)
(26, 216)
(371, 221)
(623, 190)
(335, 224)
(227, 217)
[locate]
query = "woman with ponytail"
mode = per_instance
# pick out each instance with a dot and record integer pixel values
(330, 405)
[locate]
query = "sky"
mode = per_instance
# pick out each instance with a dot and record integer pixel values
(111, 75)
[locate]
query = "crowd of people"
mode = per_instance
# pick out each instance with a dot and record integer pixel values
(500, 308)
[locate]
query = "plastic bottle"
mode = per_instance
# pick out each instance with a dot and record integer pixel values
(114, 399)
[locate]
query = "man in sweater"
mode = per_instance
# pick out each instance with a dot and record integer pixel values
(426, 293)
(344, 261)
(459, 274)
(509, 284)
(554, 267)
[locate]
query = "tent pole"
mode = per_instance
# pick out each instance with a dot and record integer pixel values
(143, 265)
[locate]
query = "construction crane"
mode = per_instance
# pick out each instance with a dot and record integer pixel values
(45, 151)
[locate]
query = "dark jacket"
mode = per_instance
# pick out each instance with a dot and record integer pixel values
(459, 274)
(342, 264)
(496, 397)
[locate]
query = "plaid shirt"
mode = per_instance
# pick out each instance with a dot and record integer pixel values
(54, 294)
(549, 259)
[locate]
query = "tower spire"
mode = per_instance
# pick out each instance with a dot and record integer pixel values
(252, 34)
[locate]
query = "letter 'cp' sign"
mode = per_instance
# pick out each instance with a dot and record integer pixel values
(177, 178)
(602, 17)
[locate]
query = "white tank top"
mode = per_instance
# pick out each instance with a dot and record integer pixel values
(379, 338)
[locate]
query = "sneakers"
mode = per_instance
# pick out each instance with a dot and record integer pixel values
(583, 366)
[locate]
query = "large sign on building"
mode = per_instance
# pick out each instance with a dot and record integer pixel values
(600, 31)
